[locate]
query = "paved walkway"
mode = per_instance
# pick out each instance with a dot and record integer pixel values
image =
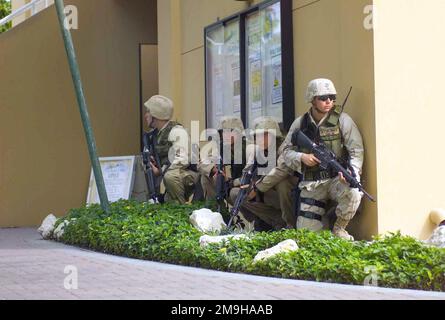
(31, 268)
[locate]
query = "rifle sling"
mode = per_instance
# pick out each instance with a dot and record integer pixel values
(313, 202)
(310, 215)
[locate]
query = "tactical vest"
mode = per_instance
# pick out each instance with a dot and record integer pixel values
(329, 134)
(163, 145)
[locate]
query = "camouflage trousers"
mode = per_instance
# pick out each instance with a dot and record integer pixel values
(209, 187)
(347, 199)
(276, 207)
(254, 211)
(180, 185)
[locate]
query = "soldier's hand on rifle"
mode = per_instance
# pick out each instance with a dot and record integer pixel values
(342, 178)
(251, 196)
(156, 170)
(310, 160)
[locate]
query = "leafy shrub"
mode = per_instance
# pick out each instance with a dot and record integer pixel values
(163, 233)
(5, 10)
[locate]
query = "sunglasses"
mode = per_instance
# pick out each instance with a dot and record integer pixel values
(331, 97)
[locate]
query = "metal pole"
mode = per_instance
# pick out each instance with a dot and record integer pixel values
(75, 73)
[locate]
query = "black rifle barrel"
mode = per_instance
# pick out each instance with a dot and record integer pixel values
(147, 154)
(246, 180)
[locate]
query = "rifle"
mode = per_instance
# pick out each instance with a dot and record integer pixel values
(149, 152)
(246, 180)
(221, 189)
(328, 160)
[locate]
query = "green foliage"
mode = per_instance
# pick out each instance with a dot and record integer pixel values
(163, 233)
(5, 10)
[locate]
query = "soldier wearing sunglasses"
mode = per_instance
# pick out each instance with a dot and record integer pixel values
(325, 123)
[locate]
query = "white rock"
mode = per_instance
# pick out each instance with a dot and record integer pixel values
(206, 240)
(438, 238)
(60, 230)
(47, 226)
(285, 246)
(205, 220)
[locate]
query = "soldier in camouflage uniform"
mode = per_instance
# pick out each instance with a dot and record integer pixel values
(270, 201)
(325, 123)
(172, 143)
(233, 131)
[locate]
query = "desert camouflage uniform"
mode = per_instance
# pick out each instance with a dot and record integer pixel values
(172, 146)
(179, 180)
(210, 157)
(339, 130)
(273, 203)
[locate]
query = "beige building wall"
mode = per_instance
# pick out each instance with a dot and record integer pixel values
(44, 163)
(149, 75)
(329, 41)
(409, 82)
(17, 4)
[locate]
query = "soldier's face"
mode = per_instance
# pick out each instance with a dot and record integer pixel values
(148, 119)
(323, 106)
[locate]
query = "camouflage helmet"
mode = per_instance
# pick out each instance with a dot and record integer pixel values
(230, 122)
(160, 107)
(266, 124)
(319, 87)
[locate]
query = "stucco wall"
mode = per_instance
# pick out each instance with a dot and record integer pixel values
(409, 81)
(44, 163)
(330, 41)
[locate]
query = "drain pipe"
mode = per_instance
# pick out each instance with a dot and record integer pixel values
(75, 73)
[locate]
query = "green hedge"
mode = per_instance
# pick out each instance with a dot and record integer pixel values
(163, 233)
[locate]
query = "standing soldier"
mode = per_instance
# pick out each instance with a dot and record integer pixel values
(234, 143)
(172, 144)
(327, 124)
(270, 200)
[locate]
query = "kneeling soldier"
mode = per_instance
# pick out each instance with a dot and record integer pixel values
(231, 130)
(272, 188)
(172, 143)
(325, 123)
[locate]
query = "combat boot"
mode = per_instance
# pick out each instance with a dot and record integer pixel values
(339, 229)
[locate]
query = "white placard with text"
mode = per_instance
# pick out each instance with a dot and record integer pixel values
(118, 173)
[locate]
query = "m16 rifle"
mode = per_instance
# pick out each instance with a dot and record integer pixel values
(246, 187)
(328, 160)
(221, 186)
(149, 156)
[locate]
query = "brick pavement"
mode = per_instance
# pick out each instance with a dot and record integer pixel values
(32, 268)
